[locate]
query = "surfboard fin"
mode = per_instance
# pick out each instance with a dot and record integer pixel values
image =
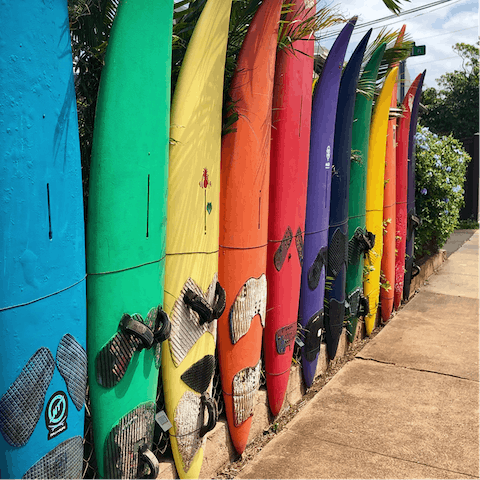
(22, 404)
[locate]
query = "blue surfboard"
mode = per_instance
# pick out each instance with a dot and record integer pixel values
(338, 221)
(42, 301)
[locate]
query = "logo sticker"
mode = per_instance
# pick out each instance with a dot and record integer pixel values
(285, 337)
(207, 207)
(56, 414)
(327, 154)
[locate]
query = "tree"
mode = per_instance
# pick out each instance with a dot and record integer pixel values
(454, 108)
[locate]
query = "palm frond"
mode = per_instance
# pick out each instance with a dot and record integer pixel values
(395, 52)
(303, 22)
(241, 15)
(393, 5)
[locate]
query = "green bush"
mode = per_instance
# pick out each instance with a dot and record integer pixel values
(441, 164)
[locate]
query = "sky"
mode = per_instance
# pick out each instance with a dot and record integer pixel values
(437, 27)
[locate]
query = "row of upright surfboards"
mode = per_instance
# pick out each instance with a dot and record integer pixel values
(206, 245)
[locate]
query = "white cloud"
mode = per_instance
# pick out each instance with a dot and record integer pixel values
(438, 28)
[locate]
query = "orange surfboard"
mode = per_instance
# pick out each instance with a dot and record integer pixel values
(244, 188)
(389, 211)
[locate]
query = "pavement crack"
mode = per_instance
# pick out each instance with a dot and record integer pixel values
(415, 369)
(416, 462)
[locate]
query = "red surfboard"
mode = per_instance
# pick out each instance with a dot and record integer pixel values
(389, 209)
(401, 190)
(244, 182)
(292, 108)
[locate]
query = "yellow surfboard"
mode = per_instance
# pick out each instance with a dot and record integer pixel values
(374, 207)
(193, 297)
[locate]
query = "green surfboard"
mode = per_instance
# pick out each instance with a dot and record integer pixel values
(359, 239)
(126, 228)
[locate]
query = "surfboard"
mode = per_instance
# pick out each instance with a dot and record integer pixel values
(375, 188)
(387, 275)
(324, 108)
(359, 241)
(193, 297)
(126, 237)
(245, 170)
(401, 189)
(338, 219)
(292, 106)
(411, 270)
(42, 305)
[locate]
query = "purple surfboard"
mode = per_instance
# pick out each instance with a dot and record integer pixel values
(412, 220)
(324, 108)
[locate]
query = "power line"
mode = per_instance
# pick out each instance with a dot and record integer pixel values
(391, 17)
(415, 16)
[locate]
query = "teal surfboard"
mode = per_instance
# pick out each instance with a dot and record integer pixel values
(126, 237)
(42, 301)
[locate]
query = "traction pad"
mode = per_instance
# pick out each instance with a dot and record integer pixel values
(72, 365)
(190, 427)
(64, 461)
(336, 315)
(313, 335)
(281, 254)
(337, 252)
(299, 245)
(186, 327)
(113, 359)
(200, 374)
(245, 385)
(122, 456)
(285, 337)
(250, 301)
(315, 271)
(22, 404)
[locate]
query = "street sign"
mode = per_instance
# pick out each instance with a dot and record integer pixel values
(417, 50)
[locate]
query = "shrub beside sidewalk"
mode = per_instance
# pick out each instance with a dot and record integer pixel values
(441, 164)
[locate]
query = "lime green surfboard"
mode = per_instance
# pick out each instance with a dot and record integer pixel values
(126, 229)
(357, 235)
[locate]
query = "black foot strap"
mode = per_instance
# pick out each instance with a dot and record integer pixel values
(147, 463)
(210, 404)
(207, 313)
(361, 242)
(135, 334)
(413, 222)
(313, 335)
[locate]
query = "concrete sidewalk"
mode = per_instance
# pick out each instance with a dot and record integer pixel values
(408, 405)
